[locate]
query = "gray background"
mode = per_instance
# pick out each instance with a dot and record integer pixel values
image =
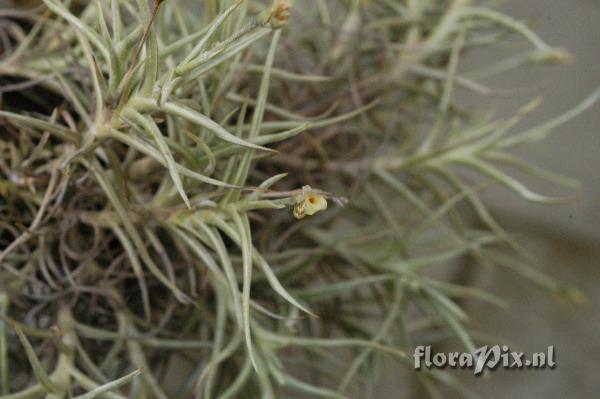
(565, 238)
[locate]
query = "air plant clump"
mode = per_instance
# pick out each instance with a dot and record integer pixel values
(165, 174)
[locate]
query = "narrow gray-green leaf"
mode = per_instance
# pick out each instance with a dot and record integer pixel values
(102, 389)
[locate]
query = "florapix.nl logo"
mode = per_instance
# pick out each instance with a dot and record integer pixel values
(484, 358)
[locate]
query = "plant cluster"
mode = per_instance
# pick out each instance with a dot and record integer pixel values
(251, 193)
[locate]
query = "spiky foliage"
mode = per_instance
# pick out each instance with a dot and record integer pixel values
(150, 158)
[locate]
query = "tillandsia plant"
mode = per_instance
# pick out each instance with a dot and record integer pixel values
(224, 198)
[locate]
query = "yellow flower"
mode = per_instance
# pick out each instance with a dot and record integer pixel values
(309, 203)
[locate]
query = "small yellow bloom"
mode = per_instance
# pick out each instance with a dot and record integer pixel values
(309, 203)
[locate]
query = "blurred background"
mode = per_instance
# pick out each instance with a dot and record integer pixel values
(565, 238)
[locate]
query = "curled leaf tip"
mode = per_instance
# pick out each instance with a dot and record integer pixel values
(555, 56)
